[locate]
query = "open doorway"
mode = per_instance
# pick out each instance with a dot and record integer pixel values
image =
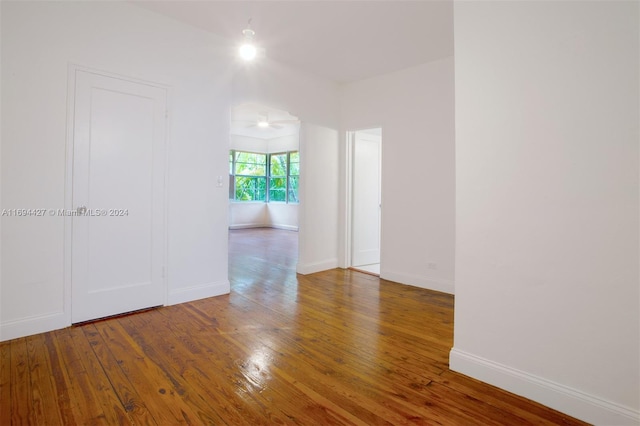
(365, 171)
(264, 170)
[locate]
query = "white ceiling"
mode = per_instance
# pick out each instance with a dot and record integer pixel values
(244, 119)
(376, 132)
(340, 40)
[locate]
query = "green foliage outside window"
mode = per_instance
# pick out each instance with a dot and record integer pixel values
(294, 174)
(251, 164)
(278, 177)
(264, 177)
(250, 188)
(250, 176)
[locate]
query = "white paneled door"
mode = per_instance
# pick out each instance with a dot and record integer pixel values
(117, 239)
(366, 199)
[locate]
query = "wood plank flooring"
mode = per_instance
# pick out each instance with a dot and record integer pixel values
(337, 347)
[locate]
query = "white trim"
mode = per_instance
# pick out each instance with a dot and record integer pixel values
(249, 225)
(310, 268)
(348, 227)
(563, 398)
(167, 164)
(263, 225)
(68, 192)
(196, 292)
(284, 227)
(302, 207)
(444, 286)
(349, 145)
(34, 325)
(1, 205)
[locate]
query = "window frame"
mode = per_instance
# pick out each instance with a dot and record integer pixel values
(232, 177)
(289, 175)
(285, 176)
(267, 177)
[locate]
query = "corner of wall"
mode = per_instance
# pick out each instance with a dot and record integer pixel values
(310, 268)
(444, 286)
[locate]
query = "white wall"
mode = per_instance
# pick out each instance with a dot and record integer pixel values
(266, 145)
(39, 40)
(415, 109)
(284, 143)
(283, 216)
(315, 102)
(248, 215)
(1, 204)
(310, 98)
(246, 143)
(318, 192)
(547, 259)
(263, 215)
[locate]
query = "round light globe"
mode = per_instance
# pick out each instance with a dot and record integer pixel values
(248, 52)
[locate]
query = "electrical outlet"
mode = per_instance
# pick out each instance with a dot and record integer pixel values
(432, 265)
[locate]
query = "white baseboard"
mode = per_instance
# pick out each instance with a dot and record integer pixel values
(34, 325)
(264, 225)
(202, 291)
(249, 225)
(285, 227)
(418, 281)
(570, 401)
(310, 268)
(54, 321)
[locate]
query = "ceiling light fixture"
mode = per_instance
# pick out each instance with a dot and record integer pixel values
(263, 120)
(248, 49)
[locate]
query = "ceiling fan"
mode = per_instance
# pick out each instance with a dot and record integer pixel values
(264, 123)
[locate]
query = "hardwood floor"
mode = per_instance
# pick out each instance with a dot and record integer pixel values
(337, 347)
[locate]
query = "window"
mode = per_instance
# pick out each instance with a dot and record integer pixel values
(278, 177)
(249, 172)
(264, 177)
(294, 174)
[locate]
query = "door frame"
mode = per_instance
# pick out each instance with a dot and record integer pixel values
(72, 70)
(349, 157)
